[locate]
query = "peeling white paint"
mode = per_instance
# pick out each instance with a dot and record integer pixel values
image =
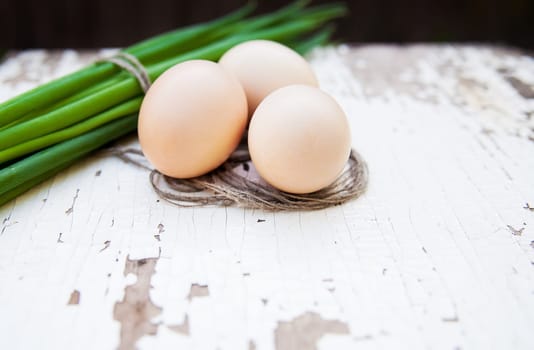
(424, 260)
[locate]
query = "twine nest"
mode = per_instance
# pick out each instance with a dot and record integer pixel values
(229, 185)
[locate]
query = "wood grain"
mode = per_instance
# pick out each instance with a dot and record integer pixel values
(438, 254)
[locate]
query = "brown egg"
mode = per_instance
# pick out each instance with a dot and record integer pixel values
(263, 66)
(299, 139)
(192, 118)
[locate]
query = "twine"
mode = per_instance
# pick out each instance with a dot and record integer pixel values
(131, 64)
(225, 187)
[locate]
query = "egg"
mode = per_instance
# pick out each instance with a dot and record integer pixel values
(299, 139)
(263, 66)
(192, 118)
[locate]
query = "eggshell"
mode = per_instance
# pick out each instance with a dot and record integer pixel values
(192, 118)
(263, 66)
(299, 139)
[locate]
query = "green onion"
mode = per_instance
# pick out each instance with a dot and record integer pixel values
(56, 158)
(319, 39)
(116, 112)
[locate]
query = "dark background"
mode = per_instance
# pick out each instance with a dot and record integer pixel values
(112, 23)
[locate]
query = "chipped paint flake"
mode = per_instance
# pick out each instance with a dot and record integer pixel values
(181, 328)
(198, 291)
(304, 331)
(450, 319)
(74, 298)
(136, 309)
(514, 231)
(521, 87)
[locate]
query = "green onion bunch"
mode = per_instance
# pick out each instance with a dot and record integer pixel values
(45, 130)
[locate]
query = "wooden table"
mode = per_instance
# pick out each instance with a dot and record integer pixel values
(438, 254)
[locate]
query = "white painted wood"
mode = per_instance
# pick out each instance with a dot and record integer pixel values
(427, 259)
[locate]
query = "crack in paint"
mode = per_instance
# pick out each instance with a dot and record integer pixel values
(7, 223)
(106, 246)
(136, 309)
(71, 209)
(161, 229)
(304, 331)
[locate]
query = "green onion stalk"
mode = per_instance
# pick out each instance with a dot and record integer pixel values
(47, 129)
